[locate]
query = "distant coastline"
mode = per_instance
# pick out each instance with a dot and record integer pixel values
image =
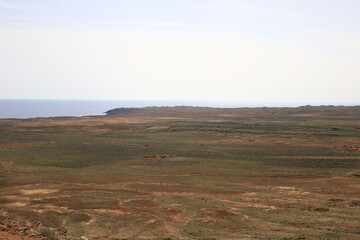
(22, 108)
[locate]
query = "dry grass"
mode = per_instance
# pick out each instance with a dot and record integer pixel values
(125, 177)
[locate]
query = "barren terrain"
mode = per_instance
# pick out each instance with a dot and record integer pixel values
(184, 173)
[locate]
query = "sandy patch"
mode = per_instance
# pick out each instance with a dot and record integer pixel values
(38, 191)
(16, 204)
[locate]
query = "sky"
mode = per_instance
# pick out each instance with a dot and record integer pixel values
(286, 51)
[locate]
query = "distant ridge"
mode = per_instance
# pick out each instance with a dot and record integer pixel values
(329, 111)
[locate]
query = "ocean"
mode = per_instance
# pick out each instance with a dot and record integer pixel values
(77, 108)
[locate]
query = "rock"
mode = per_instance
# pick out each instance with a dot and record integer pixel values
(28, 230)
(23, 229)
(28, 224)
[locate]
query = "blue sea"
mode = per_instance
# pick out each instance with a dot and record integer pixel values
(77, 108)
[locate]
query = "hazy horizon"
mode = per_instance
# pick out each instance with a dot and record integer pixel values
(280, 103)
(204, 50)
(32, 108)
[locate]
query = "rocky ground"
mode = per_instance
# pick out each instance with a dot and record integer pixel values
(13, 229)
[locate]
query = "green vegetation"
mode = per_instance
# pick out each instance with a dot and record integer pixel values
(49, 233)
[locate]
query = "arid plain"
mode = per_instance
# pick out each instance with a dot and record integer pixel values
(185, 173)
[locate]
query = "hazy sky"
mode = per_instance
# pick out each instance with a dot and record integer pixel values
(221, 50)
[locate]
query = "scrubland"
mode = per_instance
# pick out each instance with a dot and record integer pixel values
(187, 173)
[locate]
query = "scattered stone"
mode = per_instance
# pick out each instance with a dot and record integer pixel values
(356, 175)
(335, 201)
(30, 230)
(355, 204)
(317, 209)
